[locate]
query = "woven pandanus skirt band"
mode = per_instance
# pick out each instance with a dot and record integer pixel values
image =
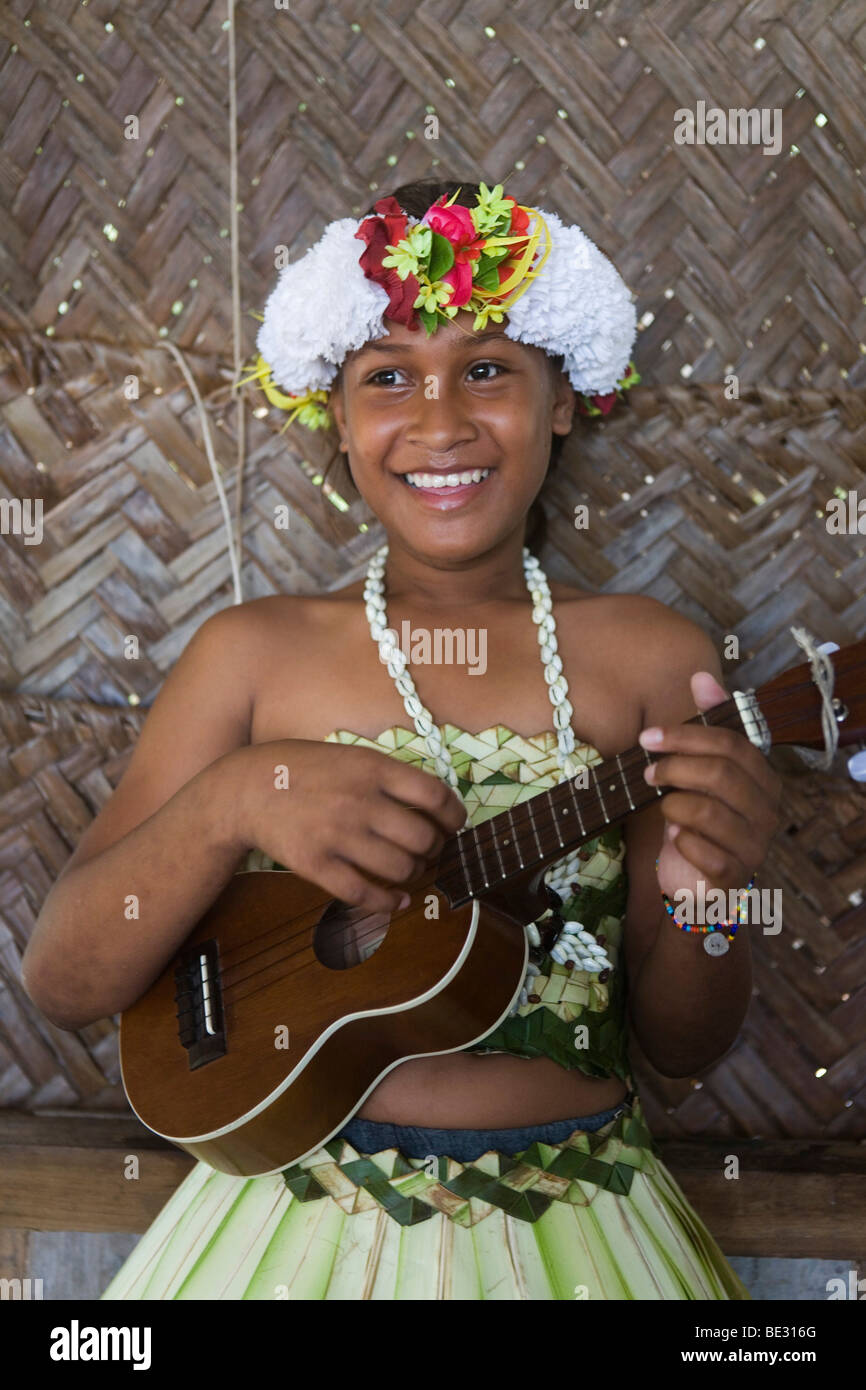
(523, 1185)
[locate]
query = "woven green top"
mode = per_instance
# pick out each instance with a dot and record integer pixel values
(580, 1020)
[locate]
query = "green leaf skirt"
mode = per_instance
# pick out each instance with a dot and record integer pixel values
(598, 1216)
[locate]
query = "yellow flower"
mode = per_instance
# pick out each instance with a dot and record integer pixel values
(404, 261)
(431, 296)
(491, 208)
(313, 413)
(489, 311)
(408, 253)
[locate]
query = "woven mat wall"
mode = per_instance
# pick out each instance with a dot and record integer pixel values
(743, 264)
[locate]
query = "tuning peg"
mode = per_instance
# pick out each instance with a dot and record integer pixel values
(857, 761)
(857, 764)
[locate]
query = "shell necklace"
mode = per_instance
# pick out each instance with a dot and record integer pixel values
(574, 942)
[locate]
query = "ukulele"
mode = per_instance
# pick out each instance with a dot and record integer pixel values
(285, 1007)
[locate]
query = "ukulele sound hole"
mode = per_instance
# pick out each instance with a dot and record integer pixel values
(346, 936)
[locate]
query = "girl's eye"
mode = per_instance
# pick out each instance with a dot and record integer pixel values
(386, 371)
(495, 366)
(375, 379)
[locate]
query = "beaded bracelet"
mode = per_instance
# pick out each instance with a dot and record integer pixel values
(717, 938)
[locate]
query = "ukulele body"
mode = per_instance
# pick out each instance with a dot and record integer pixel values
(258, 1043)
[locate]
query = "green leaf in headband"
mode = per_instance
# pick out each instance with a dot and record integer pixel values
(441, 257)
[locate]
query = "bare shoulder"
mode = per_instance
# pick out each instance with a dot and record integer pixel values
(623, 617)
(276, 636)
(231, 647)
(260, 613)
(646, 645)
(254, 622)
(230, 638)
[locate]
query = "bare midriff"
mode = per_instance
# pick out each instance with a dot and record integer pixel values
(487, 1091)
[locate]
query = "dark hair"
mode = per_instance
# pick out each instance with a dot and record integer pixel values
(415, 198)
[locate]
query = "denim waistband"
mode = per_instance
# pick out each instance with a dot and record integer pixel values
(372, 1136)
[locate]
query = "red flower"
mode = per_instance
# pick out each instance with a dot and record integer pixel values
(603, 403)
(454, 223)
(388, 228)
(460, 277)
(519, 223)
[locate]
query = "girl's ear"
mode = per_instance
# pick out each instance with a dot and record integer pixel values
(564, 397)
(564, 401)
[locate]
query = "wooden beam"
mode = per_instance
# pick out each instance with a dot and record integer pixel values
(62, 1173)
(793, 1197)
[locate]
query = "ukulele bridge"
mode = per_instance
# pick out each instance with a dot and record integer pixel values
(198, 995)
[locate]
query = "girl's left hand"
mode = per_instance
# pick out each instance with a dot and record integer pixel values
(718, 829)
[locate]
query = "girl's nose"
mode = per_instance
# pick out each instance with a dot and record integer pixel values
(440, 422)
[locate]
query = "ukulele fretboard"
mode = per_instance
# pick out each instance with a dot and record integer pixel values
(538, 832)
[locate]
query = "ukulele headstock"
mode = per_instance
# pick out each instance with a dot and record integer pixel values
(792, 707)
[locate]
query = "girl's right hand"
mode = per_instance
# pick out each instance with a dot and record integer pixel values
(348, 816)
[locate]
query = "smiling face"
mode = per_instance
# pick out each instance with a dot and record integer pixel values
(475, 408)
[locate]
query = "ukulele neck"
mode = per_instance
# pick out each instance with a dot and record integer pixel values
(539, 831)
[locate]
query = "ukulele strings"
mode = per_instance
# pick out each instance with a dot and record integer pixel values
(632, 761)
(230, 988)
(486, 838)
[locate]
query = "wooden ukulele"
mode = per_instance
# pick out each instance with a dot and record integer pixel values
(285, 1008)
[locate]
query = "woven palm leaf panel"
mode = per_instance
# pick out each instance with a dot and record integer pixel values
(708, 489)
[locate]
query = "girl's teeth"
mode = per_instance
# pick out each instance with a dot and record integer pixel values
(433, 480)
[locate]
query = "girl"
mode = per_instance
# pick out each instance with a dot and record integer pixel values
(450, 337)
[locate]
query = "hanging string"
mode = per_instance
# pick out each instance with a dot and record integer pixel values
(823, 677)
(234, 543)
(240, 413)
(211, 457)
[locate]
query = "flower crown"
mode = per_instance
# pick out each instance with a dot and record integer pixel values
(560, 293)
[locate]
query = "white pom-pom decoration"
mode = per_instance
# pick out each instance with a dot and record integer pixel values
(578, 306)
(322, 307)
